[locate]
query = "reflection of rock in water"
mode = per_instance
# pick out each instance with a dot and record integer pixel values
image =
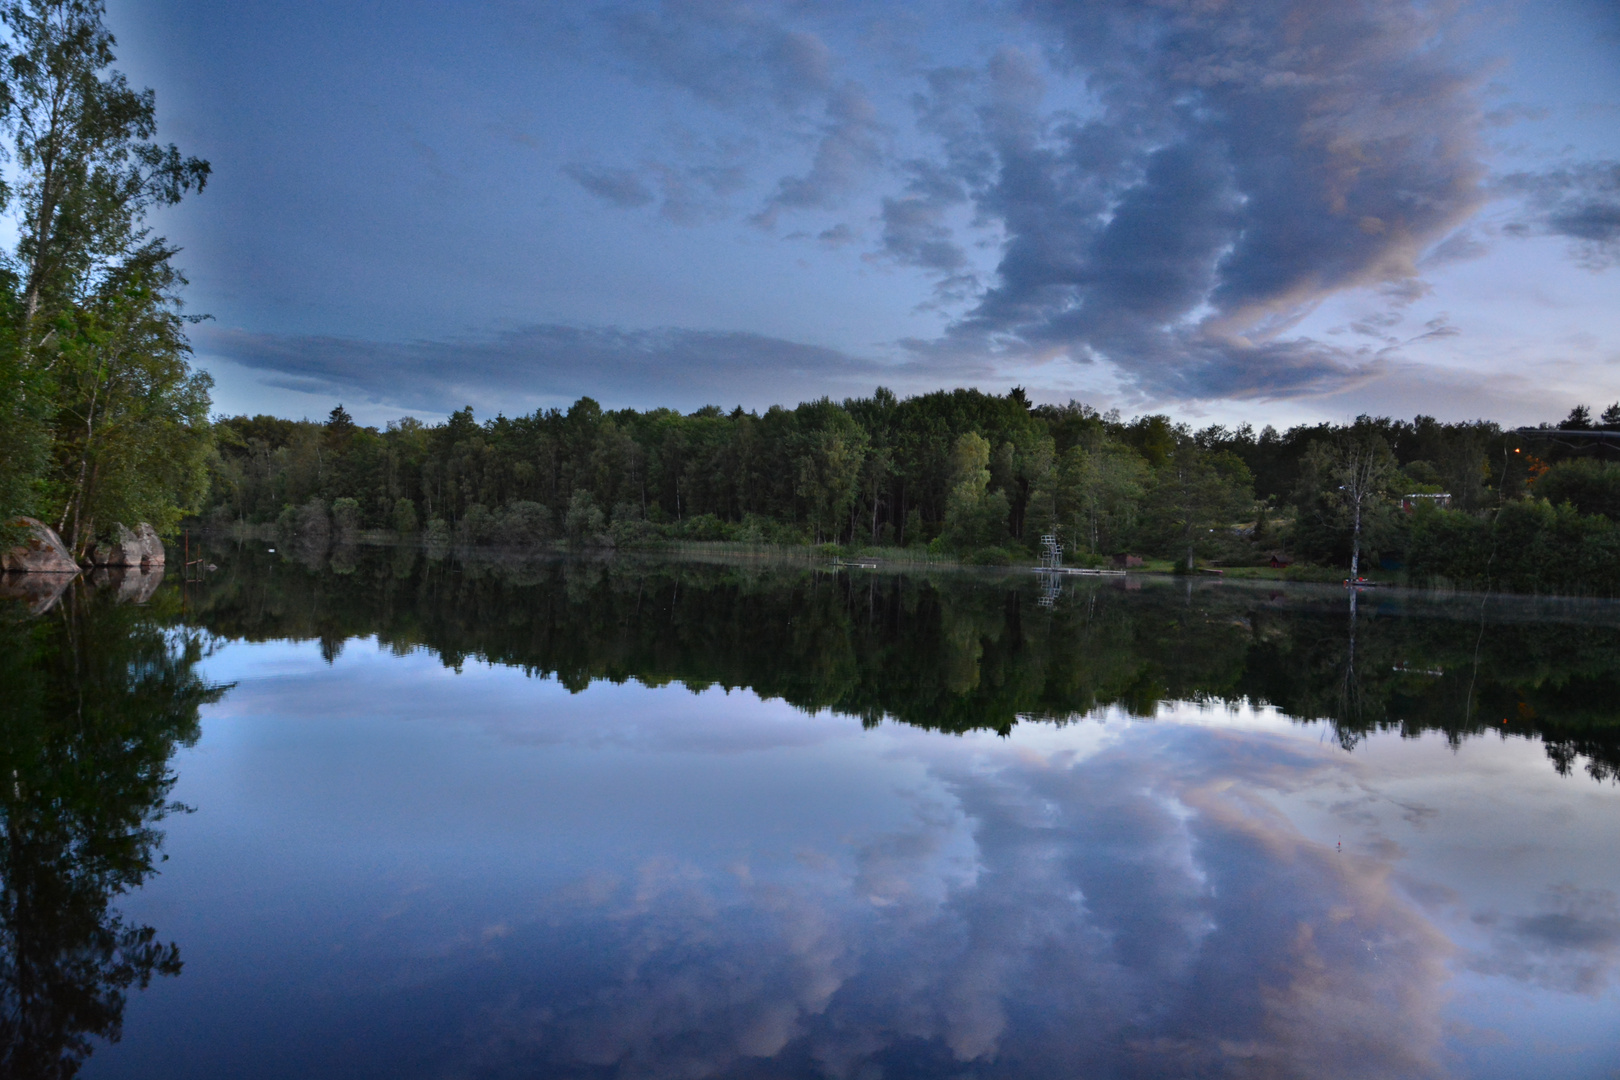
(39, 591)
(130, 586)
(96, 704)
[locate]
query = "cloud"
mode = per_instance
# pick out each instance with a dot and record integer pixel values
(621, 187)
(1237, 169)
(1171, 188)
(551, 364)
(850, 147)
(914, 232)
(728, 55)
(1581, 202)
(745, 61)
(837, 236)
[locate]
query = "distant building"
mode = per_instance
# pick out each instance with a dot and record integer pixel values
(1412, 502)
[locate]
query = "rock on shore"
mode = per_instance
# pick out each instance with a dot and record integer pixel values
(143, 547)
(40, 552)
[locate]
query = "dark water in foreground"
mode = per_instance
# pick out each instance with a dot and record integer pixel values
(373, 815)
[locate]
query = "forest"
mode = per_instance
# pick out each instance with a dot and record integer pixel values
(962, 473)
(104, 423)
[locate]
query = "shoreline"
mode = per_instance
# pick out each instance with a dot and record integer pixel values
(1323, 581)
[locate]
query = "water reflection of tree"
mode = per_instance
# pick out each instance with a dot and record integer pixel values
(97, 698)
(954, 652)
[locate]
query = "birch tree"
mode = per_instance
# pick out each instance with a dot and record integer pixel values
(98, 391)
(1361, 467)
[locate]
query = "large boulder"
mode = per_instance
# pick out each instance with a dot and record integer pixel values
(122, 549)
(143, 547)
(151, 545)
(40, 552)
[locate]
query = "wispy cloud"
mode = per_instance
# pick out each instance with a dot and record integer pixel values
(550, 364)
(1580, 202)
(850, 147)
(621, 187)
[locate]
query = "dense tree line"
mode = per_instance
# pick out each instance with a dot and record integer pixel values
(102, 419)
(978, 474)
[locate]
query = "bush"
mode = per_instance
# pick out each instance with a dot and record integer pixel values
(915, 533)
(584, 521)
(990, 556)
(404, 516)
(705, 527)
(523, 524)
(346, 518)
(438, 534)
(1592, 487)
(1528, 546)
(477, 525)
(311, 523)
(632, 532)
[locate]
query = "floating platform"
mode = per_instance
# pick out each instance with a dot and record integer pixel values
(1078, 570)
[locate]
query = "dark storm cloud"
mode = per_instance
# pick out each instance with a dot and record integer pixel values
(1242, 163)
(550, 364)
(1581, 202)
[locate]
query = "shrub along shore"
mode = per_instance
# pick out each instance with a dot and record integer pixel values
(953, 476)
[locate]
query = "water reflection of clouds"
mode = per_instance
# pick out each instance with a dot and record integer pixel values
(1570, 943)
(1141, 898)
(1119, 933)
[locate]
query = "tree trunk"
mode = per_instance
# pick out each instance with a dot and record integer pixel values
(1355, 541)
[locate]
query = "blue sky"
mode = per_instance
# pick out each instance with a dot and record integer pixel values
(1270, 211)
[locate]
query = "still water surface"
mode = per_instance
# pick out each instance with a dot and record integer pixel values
(378, 816)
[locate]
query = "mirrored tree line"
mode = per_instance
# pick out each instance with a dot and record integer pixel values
(957, 652)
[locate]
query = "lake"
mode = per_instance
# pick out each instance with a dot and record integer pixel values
(368, 813)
